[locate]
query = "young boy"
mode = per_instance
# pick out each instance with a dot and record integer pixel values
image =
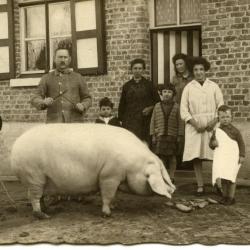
(105, 115)
(166, 128)
(229, 154)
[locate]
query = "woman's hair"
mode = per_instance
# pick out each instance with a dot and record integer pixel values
(137, 60)
(106, 102)
(200, 60)
(168, 86)
(182, 56)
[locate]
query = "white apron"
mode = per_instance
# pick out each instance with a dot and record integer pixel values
(226, 158)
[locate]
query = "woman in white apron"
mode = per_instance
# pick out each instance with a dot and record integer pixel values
(199, 103)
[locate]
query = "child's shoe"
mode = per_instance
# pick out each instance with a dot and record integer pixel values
(223, 200)
(229, 201)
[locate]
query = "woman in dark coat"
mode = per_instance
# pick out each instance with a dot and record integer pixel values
(137, 101)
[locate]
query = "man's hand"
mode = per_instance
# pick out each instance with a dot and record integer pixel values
(146, 111)
(80, 107)
(48, 101)
(241, 160)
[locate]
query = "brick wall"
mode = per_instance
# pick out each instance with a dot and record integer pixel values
(226, 44)
(127, 37)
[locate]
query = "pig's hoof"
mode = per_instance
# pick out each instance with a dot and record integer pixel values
(40, 215)
(105, 215)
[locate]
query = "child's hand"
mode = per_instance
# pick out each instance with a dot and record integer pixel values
(146, 111)
(180, 145)
(153, 139)
(241, 160)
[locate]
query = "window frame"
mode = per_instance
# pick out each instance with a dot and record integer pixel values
(99, 33)
(9, 42)
(178, 17)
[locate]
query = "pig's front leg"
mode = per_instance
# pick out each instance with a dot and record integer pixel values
(108, 190)
(36, 193)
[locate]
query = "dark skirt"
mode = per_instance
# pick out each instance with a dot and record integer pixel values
(165, 145)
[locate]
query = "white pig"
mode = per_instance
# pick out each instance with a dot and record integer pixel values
(81, 158)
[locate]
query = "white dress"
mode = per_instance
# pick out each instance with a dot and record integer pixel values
(226, 157)
(199, 102)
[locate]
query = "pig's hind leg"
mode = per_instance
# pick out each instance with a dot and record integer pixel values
(108, 187)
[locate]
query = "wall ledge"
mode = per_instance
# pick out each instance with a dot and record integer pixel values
(24, 82)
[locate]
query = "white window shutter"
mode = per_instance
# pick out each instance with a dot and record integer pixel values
(88, 38)
(6, 40)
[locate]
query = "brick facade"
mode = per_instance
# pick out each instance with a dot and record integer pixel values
(226, 44)
(127, 37)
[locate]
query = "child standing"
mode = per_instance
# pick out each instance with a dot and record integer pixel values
(166, 128)
(229, 154)
(105, 115)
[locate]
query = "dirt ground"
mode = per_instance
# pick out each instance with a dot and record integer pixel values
(136, 219)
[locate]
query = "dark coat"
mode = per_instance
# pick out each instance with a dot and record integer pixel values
(134, 98)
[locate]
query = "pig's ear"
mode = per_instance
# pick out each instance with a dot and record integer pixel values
(158, 188)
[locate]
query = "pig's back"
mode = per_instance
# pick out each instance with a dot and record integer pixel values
(71, 153)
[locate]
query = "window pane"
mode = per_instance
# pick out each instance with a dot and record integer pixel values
(3, 2)
(166, 12)
(4, 60)
(59, 19)
(4, 25)
(85, 15)
(59, 42)
(87, 53)
(35, 21)
(190, 11)
(35, 54)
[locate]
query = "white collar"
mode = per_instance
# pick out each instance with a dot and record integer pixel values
(105, 119)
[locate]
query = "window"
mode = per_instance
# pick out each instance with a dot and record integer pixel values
(6, 40)
(76, 24)
(176, 12)
(175, 28)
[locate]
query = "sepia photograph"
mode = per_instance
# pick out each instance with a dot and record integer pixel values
(125, 123)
